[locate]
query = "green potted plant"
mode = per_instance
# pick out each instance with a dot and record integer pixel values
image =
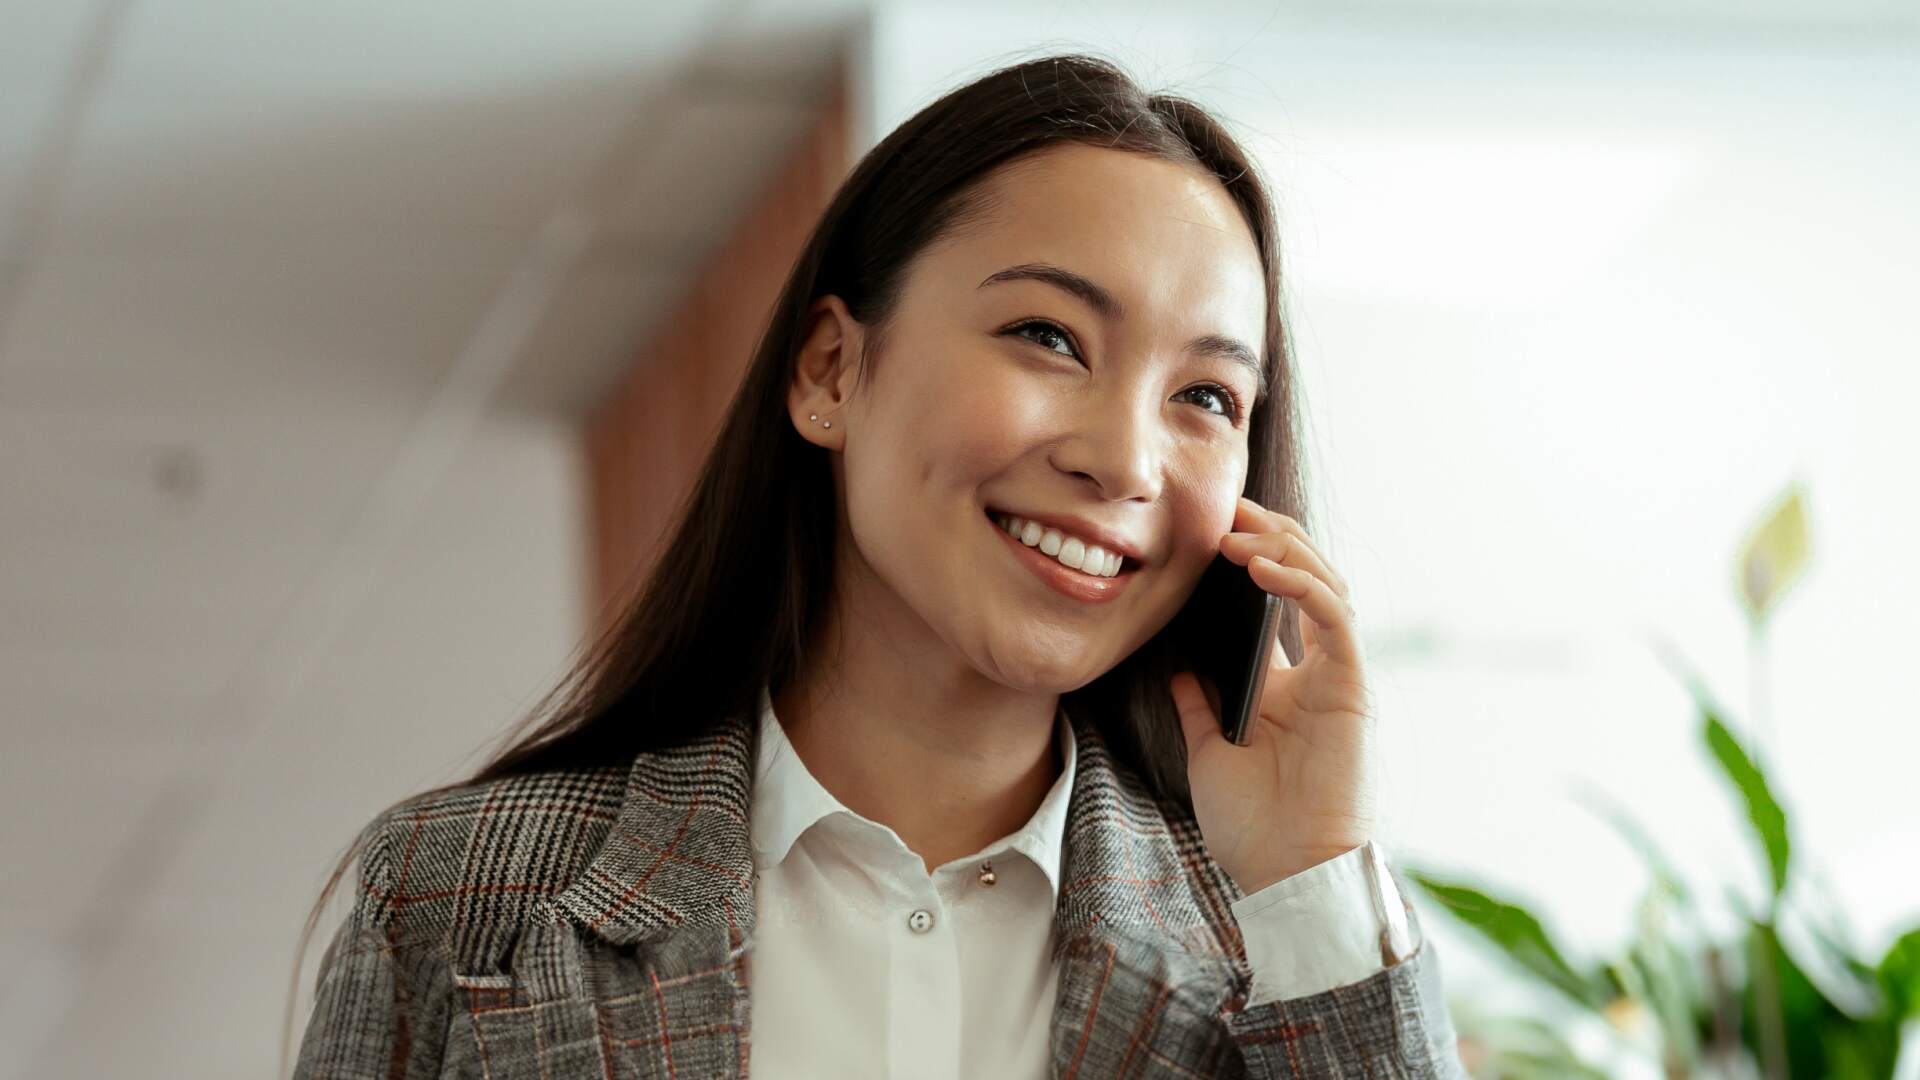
(1706, 1005)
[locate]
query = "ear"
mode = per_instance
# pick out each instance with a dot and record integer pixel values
(824, 369)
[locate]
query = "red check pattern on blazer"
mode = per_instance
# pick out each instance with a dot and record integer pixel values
(599, 923)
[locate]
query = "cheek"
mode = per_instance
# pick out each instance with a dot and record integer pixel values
(1209, 486)
(983, 423)
(945, 420)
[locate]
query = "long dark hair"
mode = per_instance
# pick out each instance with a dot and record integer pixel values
(729, 604)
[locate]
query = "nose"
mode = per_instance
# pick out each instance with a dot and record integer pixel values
(1118, 446)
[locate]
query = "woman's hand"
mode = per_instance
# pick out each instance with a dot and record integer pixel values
(1301, 791)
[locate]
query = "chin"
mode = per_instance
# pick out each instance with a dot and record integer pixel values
(1038, 673)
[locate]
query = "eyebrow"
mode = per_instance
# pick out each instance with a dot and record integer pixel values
(1109, 308)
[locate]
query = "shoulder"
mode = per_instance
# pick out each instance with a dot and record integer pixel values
(459, 867)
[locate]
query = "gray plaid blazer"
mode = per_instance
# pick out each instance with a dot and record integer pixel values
(599, 923)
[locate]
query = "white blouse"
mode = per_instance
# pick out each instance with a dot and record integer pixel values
(864, 965)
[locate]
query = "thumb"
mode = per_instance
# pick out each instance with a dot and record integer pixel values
(1198, 723)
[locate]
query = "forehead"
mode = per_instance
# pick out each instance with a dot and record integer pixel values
(1163, 236)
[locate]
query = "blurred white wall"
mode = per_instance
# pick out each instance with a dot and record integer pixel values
(1573, 305)
(299, 309)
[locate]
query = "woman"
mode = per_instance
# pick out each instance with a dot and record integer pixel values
(896, 765)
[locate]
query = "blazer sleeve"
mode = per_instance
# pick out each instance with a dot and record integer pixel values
(1393, 1023)
(382, 1002)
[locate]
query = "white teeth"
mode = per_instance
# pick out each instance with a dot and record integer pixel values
(1070, 551)
(1097, 562)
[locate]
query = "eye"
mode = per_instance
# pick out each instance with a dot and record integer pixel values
(1230, 401)
(1044, 333)
(1044, 329)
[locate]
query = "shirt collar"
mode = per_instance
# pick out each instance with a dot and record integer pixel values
(788, 800)
(676, 859)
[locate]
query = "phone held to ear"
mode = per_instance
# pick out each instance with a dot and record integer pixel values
(1235, 643)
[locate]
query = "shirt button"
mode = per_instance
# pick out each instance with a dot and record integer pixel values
(920, 921)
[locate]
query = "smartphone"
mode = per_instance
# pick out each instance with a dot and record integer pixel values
(1233, 651)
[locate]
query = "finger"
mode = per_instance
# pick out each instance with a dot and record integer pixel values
(1198, 719)
(1332, 616)
(1252, 518)
(1285, 548)
(1256, 522)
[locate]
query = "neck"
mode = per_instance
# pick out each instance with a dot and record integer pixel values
(948, 759)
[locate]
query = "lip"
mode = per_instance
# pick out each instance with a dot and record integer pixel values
(1064, 579)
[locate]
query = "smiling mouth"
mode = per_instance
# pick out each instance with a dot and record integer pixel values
(1128, 564)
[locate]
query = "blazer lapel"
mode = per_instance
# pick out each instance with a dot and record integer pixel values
(1148, 951)
(678, 854)
(671, 890)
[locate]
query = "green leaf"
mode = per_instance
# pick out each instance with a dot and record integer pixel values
(1518, 934)
(1607, 809)
(1849, 982)
(1899, 974)
(1859, 1052)
(1827, 924)
(1769, 820)
(1810, 1024)
(1522, 1046)
(1675, 998)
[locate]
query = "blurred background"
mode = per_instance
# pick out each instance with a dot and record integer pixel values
(352, 356)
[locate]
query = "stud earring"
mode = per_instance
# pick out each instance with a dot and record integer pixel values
(816, 416)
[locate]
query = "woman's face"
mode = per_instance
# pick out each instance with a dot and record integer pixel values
(999, 390)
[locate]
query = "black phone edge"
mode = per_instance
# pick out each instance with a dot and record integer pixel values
(1235, 727)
